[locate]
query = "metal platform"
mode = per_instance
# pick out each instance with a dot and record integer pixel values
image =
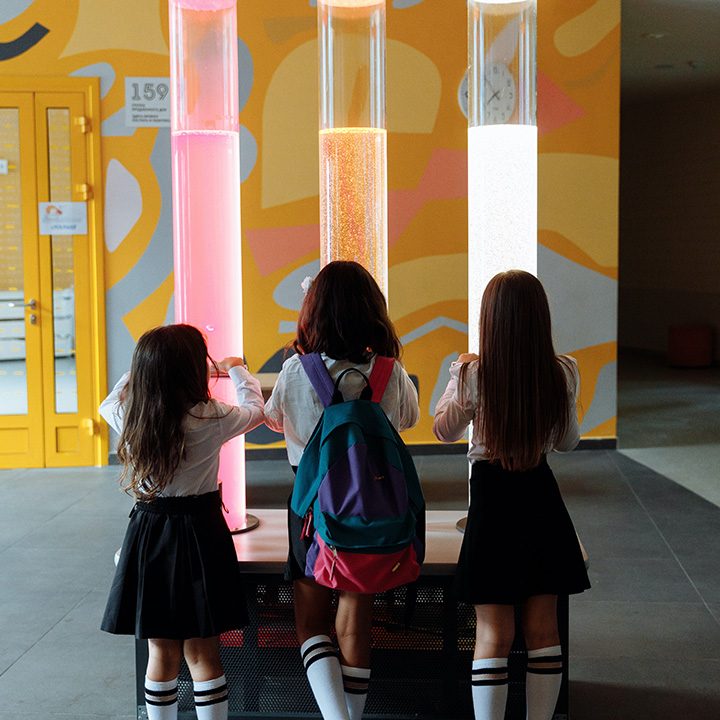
(422, 640)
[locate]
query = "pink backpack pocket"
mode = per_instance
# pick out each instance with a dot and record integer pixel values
(363, 572)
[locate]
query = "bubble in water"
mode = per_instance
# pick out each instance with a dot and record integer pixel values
(209, 328)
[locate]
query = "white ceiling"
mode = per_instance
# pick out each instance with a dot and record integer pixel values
(670, 46)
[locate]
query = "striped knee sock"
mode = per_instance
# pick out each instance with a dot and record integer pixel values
(161, 699)
(211, 699)
(489, 688)
(542, 686)
(355, 682)
(323, 671)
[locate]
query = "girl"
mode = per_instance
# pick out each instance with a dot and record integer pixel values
(519, 547)
(177, 582)
(343, 317)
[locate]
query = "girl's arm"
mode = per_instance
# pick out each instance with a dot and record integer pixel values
(111, 408)
(249, 413)
(409, 407)
(572, 376)
(273, 408)
(453, 413)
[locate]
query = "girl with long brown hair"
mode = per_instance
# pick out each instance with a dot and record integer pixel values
(344, 318)
(519, 547)
(177, 582)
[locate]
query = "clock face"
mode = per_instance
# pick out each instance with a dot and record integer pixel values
(499, 94)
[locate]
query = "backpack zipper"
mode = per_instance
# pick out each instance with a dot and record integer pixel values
(334, 560)
(306, 524)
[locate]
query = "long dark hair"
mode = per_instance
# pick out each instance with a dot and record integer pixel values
(168, 376)
(344, 315)
(521, 384)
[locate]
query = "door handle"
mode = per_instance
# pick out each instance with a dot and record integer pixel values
(89, 426)
(85, 191)
(32, 304)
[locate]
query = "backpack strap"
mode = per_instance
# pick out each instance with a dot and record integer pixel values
(319, 377)
(381, 372)
(365, 393)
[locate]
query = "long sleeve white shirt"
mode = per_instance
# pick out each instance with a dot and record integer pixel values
(455, 411)
(294, 407)
(208, 426)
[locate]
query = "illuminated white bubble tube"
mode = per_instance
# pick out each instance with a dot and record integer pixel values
(206, 198)
(502, 145)
(353, 137)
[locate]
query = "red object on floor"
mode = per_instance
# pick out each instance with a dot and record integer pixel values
(690, 345)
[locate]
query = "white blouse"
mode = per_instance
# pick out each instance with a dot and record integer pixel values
(294, 407)
(208, 426)
(453, 413)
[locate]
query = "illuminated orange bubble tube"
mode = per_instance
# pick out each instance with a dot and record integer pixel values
(353, 136)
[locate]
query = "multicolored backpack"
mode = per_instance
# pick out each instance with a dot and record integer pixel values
(358, 490)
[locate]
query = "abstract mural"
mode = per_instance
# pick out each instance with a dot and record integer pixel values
(578, 120)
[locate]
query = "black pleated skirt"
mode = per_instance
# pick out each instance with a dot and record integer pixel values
(178, 574)
(299, 542)
(519, 540)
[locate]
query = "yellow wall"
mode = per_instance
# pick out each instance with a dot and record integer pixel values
(578, 101)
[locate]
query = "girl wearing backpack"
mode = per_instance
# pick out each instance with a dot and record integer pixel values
(177, 581)
(519, 546)
(344, 318)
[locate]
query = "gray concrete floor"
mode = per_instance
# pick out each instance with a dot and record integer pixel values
(644, 642)
(668, 420)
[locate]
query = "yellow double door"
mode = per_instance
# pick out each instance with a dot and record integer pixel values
(52, 329)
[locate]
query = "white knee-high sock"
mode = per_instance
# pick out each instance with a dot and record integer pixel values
(489, 688)
(211, 699)
(161, 699)
(323, 671)
(542, 685)
(356, 682)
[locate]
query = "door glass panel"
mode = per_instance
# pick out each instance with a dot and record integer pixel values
(13, 366)
(60, 183)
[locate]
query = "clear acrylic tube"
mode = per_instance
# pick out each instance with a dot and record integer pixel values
(502, 65)
(206, 198)
(353, 135)
(502, 145)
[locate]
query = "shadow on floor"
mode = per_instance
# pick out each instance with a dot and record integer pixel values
(604, 701)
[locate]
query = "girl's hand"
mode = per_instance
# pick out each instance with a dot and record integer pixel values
(467, 358)
(226, 363)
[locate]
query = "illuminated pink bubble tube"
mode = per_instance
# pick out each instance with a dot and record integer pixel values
(206, 198)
